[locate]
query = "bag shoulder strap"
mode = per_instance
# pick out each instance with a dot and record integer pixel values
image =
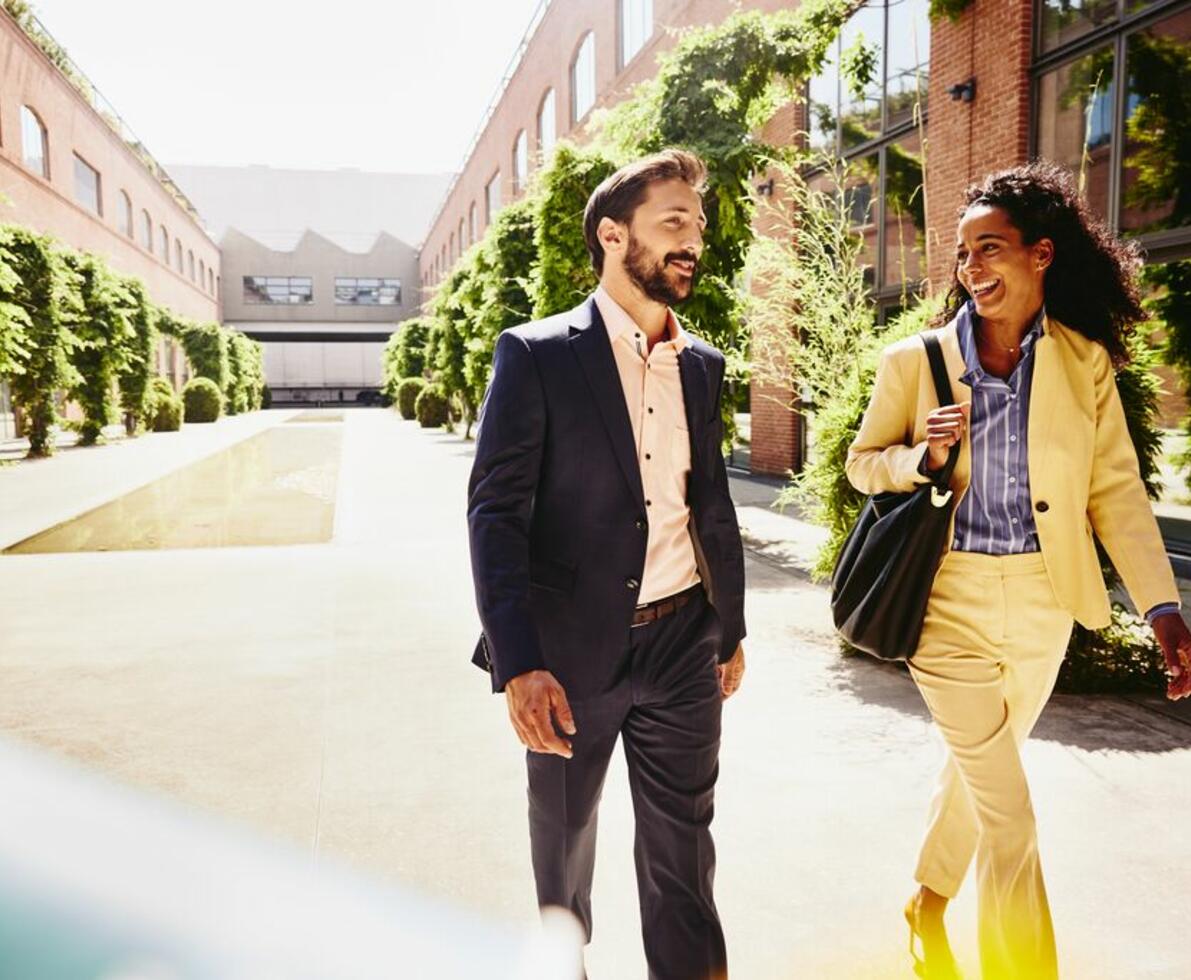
(938, 370)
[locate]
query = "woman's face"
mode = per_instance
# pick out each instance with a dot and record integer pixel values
(1003, 275)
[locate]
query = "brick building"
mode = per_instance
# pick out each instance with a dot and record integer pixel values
(71, 168)
(1083, 84)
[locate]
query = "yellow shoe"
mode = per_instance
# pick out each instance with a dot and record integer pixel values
(936, 963)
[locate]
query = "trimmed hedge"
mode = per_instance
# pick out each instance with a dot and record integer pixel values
(203, 400)
(432, 408)
(408, 391)
(164, 411)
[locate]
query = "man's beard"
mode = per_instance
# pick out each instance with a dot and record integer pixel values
(650, 277)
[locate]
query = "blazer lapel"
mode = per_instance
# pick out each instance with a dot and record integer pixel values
(589, 341)
(692, 370)
(1048, 384)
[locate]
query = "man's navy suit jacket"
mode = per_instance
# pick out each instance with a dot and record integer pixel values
(556, 513)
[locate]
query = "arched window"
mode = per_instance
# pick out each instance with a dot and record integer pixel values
(461, 239)
(636, 27)
(583, 88)
(547, 123)
(190, 263)
(471, 224)
(491, 199)
(124, 214)
(178, 254)
(452, 248)
(520, 162)
(35, 147)
(165, 245)
(211, 281)
(202, 274)
(146, 230)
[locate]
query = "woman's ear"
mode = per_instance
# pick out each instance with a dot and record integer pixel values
(1044, 253)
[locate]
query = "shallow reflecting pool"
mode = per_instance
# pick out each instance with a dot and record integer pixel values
(277, 487)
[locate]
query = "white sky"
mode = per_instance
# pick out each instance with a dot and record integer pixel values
(388, 85)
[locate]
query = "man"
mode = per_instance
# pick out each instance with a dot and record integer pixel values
(608, 565)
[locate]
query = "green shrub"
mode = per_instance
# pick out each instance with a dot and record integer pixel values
(203, 400)
(432, 408)
(133, 378)
(164, 406)
(407, 396)
(266, 396)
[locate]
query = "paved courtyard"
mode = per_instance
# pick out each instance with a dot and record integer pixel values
(321, 694)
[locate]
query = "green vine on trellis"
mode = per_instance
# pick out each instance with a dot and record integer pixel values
(952, 9)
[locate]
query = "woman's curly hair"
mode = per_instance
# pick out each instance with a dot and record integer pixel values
(1091, 285)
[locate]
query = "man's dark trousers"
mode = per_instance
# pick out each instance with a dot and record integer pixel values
(665, 704)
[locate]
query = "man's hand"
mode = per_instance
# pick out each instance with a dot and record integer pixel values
(731, 673)
(535, 700)
(1175, 640)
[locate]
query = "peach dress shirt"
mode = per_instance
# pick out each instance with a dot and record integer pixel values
(653, 394)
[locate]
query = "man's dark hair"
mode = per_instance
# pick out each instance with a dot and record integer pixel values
(620, 194)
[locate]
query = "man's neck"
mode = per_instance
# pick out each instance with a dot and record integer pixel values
(649, 315)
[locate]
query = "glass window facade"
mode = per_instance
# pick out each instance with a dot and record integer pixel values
(583, 81)
(35, 149)
(547, 124)
(87, 189)
(877, 128)
(278, 290)
(1111, 104)
(367, 292)
(636, 27)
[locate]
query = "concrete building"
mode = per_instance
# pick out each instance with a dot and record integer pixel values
(71, 168)
(1088, 85)
(316, 266)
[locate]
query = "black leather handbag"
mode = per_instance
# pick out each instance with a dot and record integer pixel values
(883, 576)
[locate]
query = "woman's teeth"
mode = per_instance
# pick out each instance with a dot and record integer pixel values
(984, 288)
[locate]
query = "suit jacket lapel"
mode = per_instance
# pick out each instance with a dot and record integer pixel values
(692, 370)
(589, 341)
(1045, 388)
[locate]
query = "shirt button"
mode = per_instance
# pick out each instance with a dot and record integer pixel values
(631, 583)
(955, 543)
(1013, 438)
(641, 525)
(1012, 479)
(1013, 520)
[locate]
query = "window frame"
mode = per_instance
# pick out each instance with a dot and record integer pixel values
(576, 116)
(625, 58)
(1159, 246)
(289, 286)
(45, 172)
(78, 158)
(881, 293)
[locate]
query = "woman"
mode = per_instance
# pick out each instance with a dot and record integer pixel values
(1039, 311)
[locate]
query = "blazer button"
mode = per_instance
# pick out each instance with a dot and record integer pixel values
(1042, 506)
(631, 583)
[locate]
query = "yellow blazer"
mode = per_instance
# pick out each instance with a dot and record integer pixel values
(1083, 467)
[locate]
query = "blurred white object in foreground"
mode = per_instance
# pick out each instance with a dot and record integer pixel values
(99, 882)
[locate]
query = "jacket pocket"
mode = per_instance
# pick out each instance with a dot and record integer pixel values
(551, 575)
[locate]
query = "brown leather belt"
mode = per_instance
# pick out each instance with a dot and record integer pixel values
(652, 611)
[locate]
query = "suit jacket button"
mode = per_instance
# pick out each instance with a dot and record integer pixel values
(631, 583)
(1042, 506)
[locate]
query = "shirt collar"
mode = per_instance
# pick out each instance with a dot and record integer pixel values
(618, 322)
(966, 330)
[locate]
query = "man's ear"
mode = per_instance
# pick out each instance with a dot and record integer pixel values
(612, 235)
(1044, 253)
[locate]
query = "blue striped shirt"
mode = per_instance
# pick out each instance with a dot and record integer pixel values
(996, 515)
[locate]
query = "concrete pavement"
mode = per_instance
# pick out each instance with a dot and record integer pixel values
(322, 694)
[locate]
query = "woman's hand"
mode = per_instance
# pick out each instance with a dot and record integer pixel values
(945, 427)
(1175, 640)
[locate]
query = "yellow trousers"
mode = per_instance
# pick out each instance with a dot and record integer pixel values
(990, 651)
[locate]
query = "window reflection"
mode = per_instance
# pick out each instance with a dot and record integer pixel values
(860, 184)
(907, 60)
(860, 112)
(1075, 122)
(1156, 189)
(1066, 20)
(367, 292)
(905, 212)
(278, 289)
